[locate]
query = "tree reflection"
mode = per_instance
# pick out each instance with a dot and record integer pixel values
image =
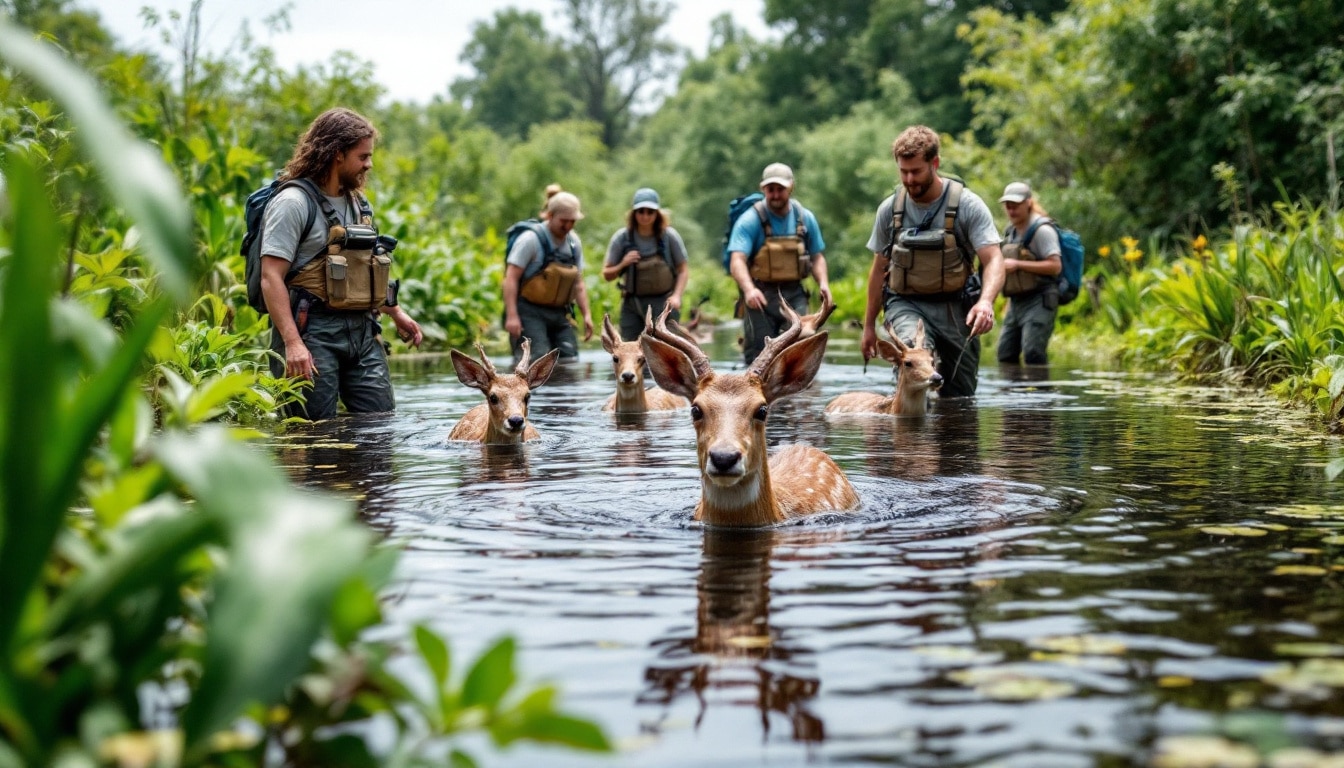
(734, 648)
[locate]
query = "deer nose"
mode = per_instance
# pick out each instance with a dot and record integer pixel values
(516, 423)
(627, 377)
(936, 379)
(722, 461)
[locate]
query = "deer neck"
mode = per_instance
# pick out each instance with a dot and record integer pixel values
(495, 435)
(909, 401)
(751, 502)
(631, 398)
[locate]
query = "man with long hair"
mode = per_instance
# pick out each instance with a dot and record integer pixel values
(318, 332)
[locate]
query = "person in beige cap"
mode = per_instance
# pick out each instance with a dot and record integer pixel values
(543, 279)
(925, 240)
(1031, 264)
(773, 246)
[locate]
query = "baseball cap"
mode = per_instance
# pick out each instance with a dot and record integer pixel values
(564, 205)
(777, 173)
(645, 198)
(1015, 192)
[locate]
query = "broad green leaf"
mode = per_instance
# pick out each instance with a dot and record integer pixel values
(210, 400)
(435, 653)
(490, 677)
(131, 171)
(570, 731)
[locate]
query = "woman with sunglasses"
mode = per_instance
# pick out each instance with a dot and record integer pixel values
(649, 258)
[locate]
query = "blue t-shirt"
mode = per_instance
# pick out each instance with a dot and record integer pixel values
(749, 236)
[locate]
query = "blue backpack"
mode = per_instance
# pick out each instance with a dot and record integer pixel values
(1070, 255)
(744, 203)
(254, 217)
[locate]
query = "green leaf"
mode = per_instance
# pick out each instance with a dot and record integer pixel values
(490, 677)
(210, 400)
(435, 653)
(460, 759)
(570, 731)
(132, 172)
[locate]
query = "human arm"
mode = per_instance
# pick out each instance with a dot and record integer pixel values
(737, 267)
(981, 316)
(819, 273)
(512, 323)
(298, 360)
(619, 260)
(407, 329)
(683, 275)
(581, 297)
(876, 275)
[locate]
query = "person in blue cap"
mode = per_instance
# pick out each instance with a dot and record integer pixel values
(649, 259)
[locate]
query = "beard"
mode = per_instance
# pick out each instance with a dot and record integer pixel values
(352, 181)
(919, 190)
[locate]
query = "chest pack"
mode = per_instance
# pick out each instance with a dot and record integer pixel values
(782, 258)
(555, 284)
(925, 261)
(1019, 282)
(352, 272)
(651, 275)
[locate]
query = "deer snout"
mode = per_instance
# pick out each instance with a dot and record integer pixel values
(936, 380)
(628, 377)
(516, 423)
(725, 462)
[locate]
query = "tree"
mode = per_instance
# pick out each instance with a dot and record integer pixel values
(617, 52)
(521, 73)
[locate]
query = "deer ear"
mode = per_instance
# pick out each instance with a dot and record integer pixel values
(888, 351)
(794, 368)
(541, 370)
(670, 367)
(610, 336)
(470, 372)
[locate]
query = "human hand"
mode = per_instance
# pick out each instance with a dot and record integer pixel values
(587, 327)
(980, 318)
(630, 259)
(868, 342)
(674, 301)
(299, 361)
(407, 329)
(754, 298)
(514, 325)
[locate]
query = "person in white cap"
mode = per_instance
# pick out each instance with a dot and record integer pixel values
(773, 246)
(1031, 263)
(925, 240)
(543, 278)
(651, 258)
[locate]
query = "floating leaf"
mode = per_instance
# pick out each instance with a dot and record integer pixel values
(1082, 645)
(1009, 685)
(1203, 752)
(1174, 681)
(1298, 570)
(958, 654)
(1313, 677)
(1309, 649)
(1219, 530)
(1309, 511)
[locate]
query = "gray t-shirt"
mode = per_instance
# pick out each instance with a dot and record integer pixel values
(975, 224)
(285, 215)
(1044, 244)
(527, 254)
(647, 246)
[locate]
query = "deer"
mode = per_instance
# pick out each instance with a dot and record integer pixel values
(916, 374)
(502, 419)
(812, 323)
(628, 359)
(739, 488)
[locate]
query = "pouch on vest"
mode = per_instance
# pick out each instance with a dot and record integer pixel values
(553, 286)
(780, 260)
(925, 261)
(650, 277)
(351, 276)
(1020, 282)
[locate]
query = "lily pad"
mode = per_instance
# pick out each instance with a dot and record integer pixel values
(1309, 649)
(1299, 570)
(1010, 685)
(1237, 530)
(958, 654)
(1203, 752)
(1313, 677)
(1310, 511)
(1082, 645)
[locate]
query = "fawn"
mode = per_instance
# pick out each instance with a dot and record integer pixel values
(631, 396)
(916, 374)
(503, 417)
(738, 486)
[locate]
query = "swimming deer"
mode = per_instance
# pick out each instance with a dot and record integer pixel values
(738, 487)
(503, 417)
(916, 374)
(628, 359)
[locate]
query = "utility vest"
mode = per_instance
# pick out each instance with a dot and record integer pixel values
(1018, 282)
(924, 261)
(782, 259)
(351, 274)
(558, 280)
(651, 275)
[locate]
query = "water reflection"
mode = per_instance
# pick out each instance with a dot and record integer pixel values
(735, 657)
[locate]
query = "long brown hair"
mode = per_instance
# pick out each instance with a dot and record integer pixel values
(659, 223)
(333, 132)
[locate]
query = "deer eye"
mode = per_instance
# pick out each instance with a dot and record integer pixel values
(641, 361)
(762, 412)
(696, 413)
(615, 359)
(494, 399)
(527, 398)
(908, 364)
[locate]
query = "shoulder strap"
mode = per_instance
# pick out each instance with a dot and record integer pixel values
(316, 196)
(800, 221)
(759, 208)
(538, 229)
(953, 204)
(897, 214)
(1031, 230)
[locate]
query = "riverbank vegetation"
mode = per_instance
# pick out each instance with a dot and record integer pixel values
(1191, 143)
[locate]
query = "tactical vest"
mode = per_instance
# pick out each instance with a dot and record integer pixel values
(926, 262)
(651, 275)
(557, 282)
(782, 259)
(1019, 282)
(352, 273)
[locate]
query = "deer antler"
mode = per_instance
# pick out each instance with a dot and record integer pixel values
(526, 361)
(699, 360)
(485, 361)
(609, 329)
(813, 322)
(895, 338)
(774, 346)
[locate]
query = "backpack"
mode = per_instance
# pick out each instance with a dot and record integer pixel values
(1070, 258)
(741, 205)
(255, 219)
(538, 227)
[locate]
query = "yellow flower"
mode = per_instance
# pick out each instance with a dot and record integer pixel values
(1199, 243)
(1104, 251)
(1133, 254)
(1129, 243)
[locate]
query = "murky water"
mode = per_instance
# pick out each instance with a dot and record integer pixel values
(1060, 573)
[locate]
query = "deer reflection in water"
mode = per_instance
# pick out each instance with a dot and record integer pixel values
(735, 656)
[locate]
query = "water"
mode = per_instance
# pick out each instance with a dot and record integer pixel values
(1032, 579)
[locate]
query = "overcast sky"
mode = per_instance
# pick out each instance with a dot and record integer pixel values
(414, 44)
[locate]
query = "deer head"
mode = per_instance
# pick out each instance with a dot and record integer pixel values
(626, 356)
(729, 412)
(504, 417)
(916, 370)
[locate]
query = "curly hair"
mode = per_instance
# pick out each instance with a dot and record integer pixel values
(916, 140)
(333, 132)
